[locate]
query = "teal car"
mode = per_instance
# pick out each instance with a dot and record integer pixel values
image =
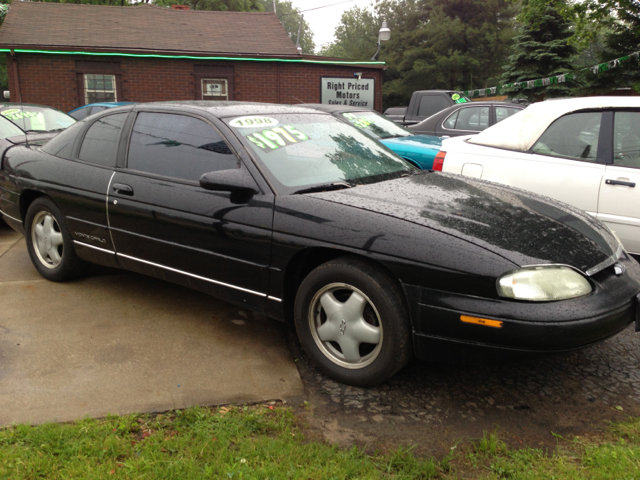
(420, 150)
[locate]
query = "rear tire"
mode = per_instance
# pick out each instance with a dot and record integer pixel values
(49, 242)
(352, 322)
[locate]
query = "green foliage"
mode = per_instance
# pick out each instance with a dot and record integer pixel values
(237, 442)
(541, 49)
(452, 44)
(217, 5)
(290, 18)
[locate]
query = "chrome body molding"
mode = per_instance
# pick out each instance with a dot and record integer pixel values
(103, 250)
(9, 216)
(275, 299)
(182, 272)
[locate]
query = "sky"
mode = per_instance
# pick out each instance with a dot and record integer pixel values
(323, 22)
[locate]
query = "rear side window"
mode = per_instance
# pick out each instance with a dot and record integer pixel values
(62, 144)
(505, 112)
(101, 140)
(430, 104)
(572, 136)
(80, 114)
(177, 146)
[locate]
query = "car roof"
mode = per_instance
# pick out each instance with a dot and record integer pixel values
(334, 108)
(228, 108)
(18, 105)
(105, 104)
(522, 130)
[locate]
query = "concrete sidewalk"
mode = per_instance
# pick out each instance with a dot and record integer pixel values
(117, 343)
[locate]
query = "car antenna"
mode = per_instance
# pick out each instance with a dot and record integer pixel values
(297, 99)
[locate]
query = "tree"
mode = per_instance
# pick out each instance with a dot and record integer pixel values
(541, 49)
(618, 24)
(449, 44)
(356, 36)
(290, 18)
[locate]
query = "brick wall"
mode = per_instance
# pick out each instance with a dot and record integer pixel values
(52, 80)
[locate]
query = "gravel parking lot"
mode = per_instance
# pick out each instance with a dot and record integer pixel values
(435, 405)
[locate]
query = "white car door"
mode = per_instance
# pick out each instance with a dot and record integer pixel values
(619, 204)
(562, 164)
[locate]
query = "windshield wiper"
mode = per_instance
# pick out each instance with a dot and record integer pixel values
(325, 187)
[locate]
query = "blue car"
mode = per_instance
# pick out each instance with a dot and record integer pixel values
(420, 150)
(84, 111)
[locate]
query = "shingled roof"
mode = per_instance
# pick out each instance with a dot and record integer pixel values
(144, 29)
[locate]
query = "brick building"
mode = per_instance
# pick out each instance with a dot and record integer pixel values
(67, 55)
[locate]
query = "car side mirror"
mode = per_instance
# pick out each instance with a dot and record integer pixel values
(236, 180)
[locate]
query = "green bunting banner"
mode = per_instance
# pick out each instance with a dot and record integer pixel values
(544, 82)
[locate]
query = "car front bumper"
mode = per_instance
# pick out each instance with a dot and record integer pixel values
(522, 327)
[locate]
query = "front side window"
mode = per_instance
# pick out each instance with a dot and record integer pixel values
(375, 125)
(177, 146)
(99, 88)
(626, 139)
(101, 140)
(572, 136)
(300, 150)
(470, 118)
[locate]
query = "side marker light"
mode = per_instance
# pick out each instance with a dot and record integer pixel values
(485, 322)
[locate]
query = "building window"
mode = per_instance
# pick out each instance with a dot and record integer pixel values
(214, 89)
(99, 88)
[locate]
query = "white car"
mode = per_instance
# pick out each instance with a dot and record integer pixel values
(582, 151)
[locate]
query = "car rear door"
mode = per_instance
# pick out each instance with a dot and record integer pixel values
(619, 203)
(164, 224)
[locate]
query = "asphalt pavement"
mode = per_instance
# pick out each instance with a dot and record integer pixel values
(115, 343)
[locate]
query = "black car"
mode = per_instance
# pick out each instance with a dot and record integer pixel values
(466, 118)
(296, 214)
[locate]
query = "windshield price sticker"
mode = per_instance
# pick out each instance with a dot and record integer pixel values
(361, 122)
(253, 122)
(16, 114)
(275, 138)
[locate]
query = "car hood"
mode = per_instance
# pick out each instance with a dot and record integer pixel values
(414, 141)
(522, 227)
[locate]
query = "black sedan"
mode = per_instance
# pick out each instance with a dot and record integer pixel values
(296, 214)
(466, 118)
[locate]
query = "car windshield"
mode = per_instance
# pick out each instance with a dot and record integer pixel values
(38, 119)
(375, 125)
(301, 150)
(8, 129)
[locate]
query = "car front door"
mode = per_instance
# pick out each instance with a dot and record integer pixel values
(619, 203)
(165, 224)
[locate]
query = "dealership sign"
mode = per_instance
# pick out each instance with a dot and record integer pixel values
(347, 91)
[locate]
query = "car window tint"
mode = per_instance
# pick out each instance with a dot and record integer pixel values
(62, 144)
(505, 112)
(430, 104)
(80, 114)
(177, 146)
(572, 136)
(101, 140)
(97, 109)
(450, 122)
(473, 118)
(626, 139)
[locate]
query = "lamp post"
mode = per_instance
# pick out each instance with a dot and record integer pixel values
(384, 34)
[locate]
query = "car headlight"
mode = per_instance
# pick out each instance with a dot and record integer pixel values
(543, 284)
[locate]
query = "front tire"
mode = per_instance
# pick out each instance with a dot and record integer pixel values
(352, 322)
(49, 243)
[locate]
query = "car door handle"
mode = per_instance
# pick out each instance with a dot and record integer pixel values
(123, 189)
(620, 182)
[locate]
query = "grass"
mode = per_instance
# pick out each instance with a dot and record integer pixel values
(266, 442)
